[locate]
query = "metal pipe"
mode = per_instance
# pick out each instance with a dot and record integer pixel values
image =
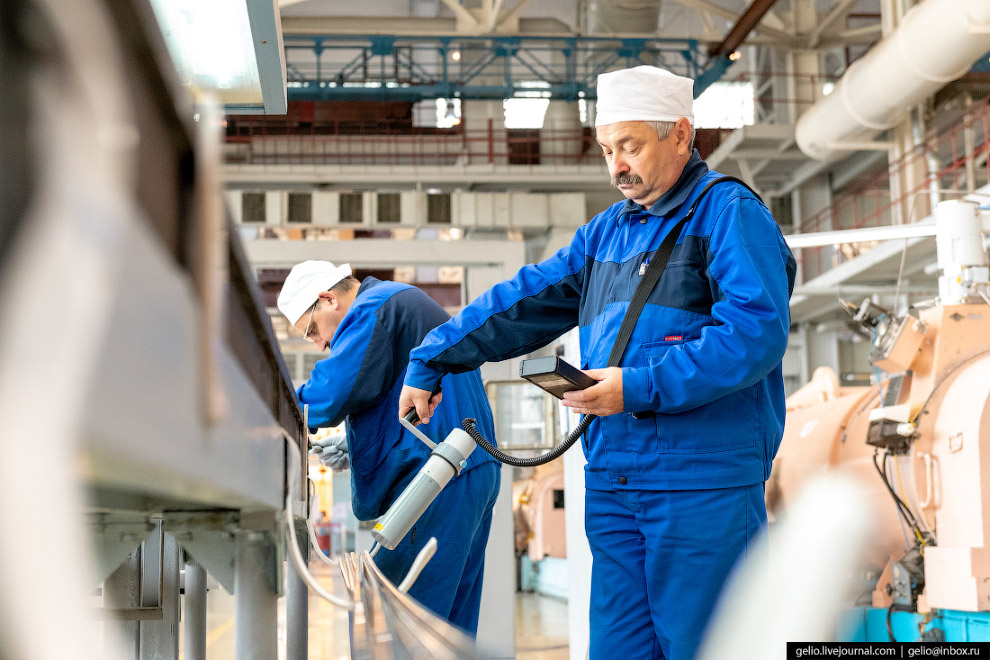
(935, 43)
(194, 627)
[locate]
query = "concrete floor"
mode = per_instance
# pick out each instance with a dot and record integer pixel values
(541, 625)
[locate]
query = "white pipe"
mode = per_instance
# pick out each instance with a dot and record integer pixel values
(959, 249)
(295, 555)
(936, 43)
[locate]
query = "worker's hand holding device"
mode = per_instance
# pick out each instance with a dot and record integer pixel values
(554, 375)
(592, 392)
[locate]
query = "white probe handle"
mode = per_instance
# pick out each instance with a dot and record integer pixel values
(422, 559)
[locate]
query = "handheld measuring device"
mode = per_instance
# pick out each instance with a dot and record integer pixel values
(555, 375)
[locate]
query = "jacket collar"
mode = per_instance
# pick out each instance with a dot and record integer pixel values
(676, 196)
(367, 283)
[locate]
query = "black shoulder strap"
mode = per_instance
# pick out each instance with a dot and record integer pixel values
(657, 263)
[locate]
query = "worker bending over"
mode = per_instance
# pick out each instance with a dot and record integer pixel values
(369, 330)
(675, 493)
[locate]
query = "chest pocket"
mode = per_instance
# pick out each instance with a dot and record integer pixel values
(654, 351)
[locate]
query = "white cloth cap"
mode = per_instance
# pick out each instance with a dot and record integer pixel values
(305, 283)
(643, 93)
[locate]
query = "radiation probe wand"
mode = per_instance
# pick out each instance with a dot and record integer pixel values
(447, 459)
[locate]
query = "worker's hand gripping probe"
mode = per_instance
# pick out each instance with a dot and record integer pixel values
(412, 417)
(447, 459)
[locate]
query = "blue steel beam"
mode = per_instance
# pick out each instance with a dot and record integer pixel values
(415, 68)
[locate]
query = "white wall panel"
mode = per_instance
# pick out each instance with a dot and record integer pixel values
(275, 203)
(326, 208)
(413, 208)
(501, 213)
(567, 210)
(529, 210)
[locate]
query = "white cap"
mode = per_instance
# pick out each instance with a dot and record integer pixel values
(305, 283)
(643, 93)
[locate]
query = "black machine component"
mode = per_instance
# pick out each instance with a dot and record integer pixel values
(907, 580)
(933, 634)
(907, 577)
(883, 433)
(555, 375)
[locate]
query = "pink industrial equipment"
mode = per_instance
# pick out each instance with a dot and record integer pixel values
(540, 512)
(920, 442)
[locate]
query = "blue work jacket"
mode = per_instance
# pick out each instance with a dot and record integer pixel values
(359, 382)
(705, 354)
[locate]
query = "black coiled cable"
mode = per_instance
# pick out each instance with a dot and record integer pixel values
(468, 424)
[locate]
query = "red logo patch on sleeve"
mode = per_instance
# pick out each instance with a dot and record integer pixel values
(673, 338)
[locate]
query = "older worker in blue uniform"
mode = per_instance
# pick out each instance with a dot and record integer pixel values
(673, 498)
(369, 330)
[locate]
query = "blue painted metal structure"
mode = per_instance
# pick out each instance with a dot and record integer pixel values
(869, 624)
(414, 68)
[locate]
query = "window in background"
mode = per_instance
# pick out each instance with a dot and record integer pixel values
(300, 208)
(389, 208)
(527, 108)
(437, 113)
(438, 209)
(725, 105)
(253, 208)
(351, 208)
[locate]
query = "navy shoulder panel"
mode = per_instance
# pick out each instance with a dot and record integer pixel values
(407, 315)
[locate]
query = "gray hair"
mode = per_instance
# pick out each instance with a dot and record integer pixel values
(663, 129)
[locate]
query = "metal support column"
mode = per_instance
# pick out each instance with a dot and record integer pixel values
(122, 592)
(160, 561)
(194, 627)
(255, 597)
(297, 607)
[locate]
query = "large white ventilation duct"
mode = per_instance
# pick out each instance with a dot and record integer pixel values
(936, 43)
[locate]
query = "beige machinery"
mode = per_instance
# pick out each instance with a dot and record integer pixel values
(539, 513)
(920, 442)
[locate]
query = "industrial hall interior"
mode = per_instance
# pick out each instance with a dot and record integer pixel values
(690, 298)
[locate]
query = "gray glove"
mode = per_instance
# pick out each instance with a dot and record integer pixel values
(332, 452)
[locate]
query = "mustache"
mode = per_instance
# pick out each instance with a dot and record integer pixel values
(626, 178)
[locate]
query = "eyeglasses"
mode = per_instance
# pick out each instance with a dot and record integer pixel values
(309, 324)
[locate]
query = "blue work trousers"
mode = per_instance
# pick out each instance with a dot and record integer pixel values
(660, 559)
(460, 518)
